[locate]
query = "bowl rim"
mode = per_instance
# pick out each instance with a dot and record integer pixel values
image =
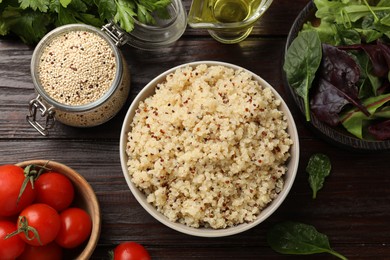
(293, 162)
(335, 136)
(95, 215)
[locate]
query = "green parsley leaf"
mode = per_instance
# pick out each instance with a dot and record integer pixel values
(144, 16)
(31, 19)
(41, 5)
(152, 5)
(125, 15)
(106, 9)
(78, 6)
(65, 3)
(30, 26)
(3, 27)
(90, 19)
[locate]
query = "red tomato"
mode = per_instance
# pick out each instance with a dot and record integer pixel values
(44, 219)
(11, 247)
(51, 251)
(76, 226)
(131, 251)
(10, 218)
(55, 190)
(11, 180)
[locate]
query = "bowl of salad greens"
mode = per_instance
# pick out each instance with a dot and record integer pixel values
(337, 68)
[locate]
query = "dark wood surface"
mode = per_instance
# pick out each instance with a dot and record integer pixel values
(353, 208)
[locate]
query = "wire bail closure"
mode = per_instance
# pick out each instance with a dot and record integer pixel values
(115, 33)
(47, 113)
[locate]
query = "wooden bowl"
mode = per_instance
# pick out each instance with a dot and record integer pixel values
(85, 198)
(337, 136)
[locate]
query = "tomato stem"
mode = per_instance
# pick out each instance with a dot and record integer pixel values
(31, 175)
(23, 227)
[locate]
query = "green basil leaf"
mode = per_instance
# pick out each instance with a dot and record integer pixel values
(301, 63)
(318, 167)
(299, 239)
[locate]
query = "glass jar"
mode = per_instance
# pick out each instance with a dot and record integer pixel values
(152, 37)
(66, 74)
(147, 37)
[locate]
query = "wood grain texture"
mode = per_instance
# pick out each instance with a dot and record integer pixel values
(352, 209)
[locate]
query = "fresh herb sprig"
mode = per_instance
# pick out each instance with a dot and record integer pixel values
(30, 20)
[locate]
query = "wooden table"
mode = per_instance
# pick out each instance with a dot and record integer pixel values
(353, 208)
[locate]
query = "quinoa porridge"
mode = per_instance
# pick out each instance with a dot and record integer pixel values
(209, 148)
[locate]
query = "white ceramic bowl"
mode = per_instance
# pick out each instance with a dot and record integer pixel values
(209, 232)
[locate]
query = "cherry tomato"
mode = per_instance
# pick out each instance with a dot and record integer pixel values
(131, 251)
(11, 180)
(12, 247)
(42, 218)
(55, 190)
(10, 218)
(76, 226)
(51, 251)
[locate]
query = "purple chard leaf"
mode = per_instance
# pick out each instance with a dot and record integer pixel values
(381, 130)
(337, 85)
(327, 102)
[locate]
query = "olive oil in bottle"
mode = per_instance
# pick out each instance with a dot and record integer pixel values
(230, 11)
(222, 11)
(227, 21)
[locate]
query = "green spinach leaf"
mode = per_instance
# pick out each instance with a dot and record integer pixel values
(299, 239)
(301, 62)
(318, 168)
(370, 21)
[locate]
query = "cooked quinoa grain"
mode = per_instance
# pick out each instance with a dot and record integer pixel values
(77, 68)
(209, 148)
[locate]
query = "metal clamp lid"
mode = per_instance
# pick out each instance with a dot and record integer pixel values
(47, 113)
(115, 33)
